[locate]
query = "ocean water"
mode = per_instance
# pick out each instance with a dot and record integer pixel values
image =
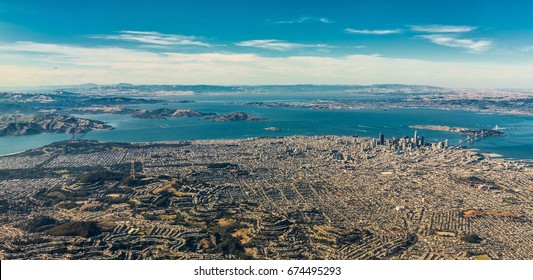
(518, 143)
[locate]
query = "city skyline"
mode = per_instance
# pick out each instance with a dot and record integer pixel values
(451, 44)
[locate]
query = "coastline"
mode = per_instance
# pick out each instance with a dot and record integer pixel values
(15, 153)
(143, 131)
(220, 140)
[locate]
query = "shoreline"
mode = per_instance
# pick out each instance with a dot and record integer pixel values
(15, 153)
(487, 154)
(501, 154)
(316, 105)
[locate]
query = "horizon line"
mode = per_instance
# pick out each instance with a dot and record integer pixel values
(251, 85)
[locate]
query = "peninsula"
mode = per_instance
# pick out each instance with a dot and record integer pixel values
(16, 125)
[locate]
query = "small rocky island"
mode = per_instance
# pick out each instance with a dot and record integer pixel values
(16, 125)
(232, 117)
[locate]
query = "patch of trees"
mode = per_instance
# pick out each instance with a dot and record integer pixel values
(226, 244)
(100, 176)
(473, 180)
(180, 219)
(511, 200)
(230, 245)
(52, 196)
(39, 224)
(67, 199)
(35, 173)
(163, 199)
(113, 200)
(4, 205)
(352, 237)
(150, 216)
(76, 228)
(471, 238)
(85, 146)
(68, 205)
(135, 182)
(222, 165)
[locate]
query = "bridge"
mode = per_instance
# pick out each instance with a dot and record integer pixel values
(79, 131)
(477, 135)
(514, 128)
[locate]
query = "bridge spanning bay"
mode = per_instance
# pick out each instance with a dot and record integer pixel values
(514, 128)
(473, 134)
(478, 135)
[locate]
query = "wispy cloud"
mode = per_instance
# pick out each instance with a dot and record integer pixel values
(372, 32)
(78, 64)
(304, 19)
(442, 28)
(277, 45)
(452, 41)
(527, 49)
(156, 38)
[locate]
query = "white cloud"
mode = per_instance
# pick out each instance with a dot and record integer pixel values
(305, 19)
(452, 41)
(156, 38)
(287, 21)
(277, 45)
(527, 49)
(372, 32)
(442, 28)
(35, 66)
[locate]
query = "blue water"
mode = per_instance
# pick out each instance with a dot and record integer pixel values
(297, 121)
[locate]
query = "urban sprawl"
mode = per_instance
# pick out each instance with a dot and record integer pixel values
(320, 197)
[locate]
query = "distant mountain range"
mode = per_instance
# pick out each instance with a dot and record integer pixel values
(125, 88)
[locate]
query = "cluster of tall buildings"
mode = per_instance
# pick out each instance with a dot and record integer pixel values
(406, 143)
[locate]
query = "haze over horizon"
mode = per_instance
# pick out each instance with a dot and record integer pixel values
(442, 43)
(46, 88)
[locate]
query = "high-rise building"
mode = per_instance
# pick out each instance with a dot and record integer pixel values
(415, 138)
(381, 139)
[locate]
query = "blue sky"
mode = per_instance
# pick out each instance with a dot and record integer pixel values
(447, 43)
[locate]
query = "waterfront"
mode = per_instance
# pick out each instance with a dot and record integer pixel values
(296, 121)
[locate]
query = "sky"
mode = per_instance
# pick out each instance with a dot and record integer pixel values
(466, 43)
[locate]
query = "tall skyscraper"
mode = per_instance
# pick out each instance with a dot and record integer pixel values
(381, 139)
(415, 138)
